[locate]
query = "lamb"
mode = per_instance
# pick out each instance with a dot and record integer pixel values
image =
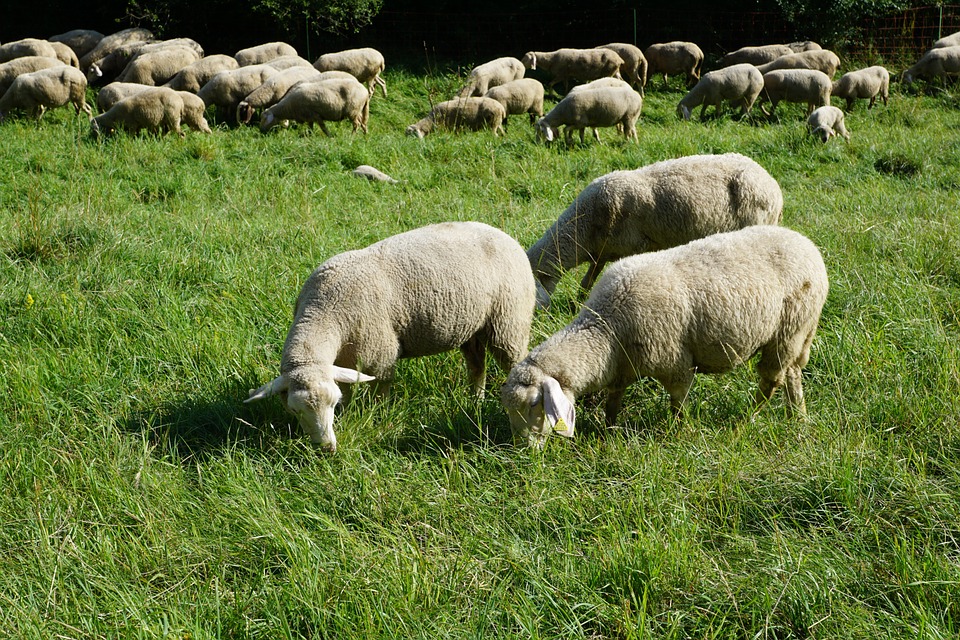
(156, 109)
(27, 47)
(795, 85)
(519, 96)
(755, 55)
(272, 91)
(365, 65)
(108, 44)
(263, 53)
(192, 77)
(228, 88)
(19, 66)
(935, 63)
(658, 206)
(156, 66)
(951, 40)
(451, 285)
(460, 113)
(82, 41)
(863, 83)
(38, 91)
(707, 306)
(320, 102)
(580, 65)
(492, 74)
(739, 84)
(826, 122)
(671, 58)
(634, 67)
(820, 59)
(594, 107)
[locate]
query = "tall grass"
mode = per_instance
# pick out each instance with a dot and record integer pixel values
(148, 283)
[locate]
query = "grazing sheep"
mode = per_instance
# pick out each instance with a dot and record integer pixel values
(372, 174)
(193, 112)
(738, 84)
(460, 113)
(38, 91)
(951, 40)
(866, 83)
(321, 102)
(272, 91)
(19, 66)
(671, 58)
(109, 43)
(365, 65)
(228, 88)
(755, 55)
(820, 59)
(704, 307)
(114, 92)
(263, 53)
(593, 107)
(193, 76)
(452, 285)
(27, 47)
(826, 122)
(286, 62)
(579, 65)
(491, 74)
(156, 109)
(804, 45)
(65, 54)
(634, 67)
(157, 66)
(82, 41)
(936, 63)
(109, 68)
(519, 96)
(795, 85)
(662, 205)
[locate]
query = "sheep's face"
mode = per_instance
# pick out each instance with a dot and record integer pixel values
(313, 397)
(536, 408)
(267, 120)
(545, 131)
(824, 133)
(683, 111)
(414, 130)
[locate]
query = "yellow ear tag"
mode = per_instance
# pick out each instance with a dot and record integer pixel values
(561, 427)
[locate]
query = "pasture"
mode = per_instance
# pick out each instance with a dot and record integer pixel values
(147, 283)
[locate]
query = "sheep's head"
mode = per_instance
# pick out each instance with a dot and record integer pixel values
(311, 393)
(545, 131)
(529, 60)
(267, 120)
(94, 128)
(537, 406)
(824, 133)
(414, 130)
(94, 73)
(683, 111)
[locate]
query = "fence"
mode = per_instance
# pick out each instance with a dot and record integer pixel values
(907, 35)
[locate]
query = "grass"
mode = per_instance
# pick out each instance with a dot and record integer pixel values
(148, 283)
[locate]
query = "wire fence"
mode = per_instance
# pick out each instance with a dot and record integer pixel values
(905, 36)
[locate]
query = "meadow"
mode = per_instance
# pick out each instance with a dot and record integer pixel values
(146, 284)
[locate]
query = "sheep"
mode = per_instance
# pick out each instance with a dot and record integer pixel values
(826, 122)
(193, 112)
(108, 44)
(112, 65)
(193, 106)
(82, 41)
(274, 88)
(286, 62)
(519, 96)
(675, 57)
(935, 63)
(228, 88)
(157, 66)
(451, 285)
(951, 40)
(863, 83)
(820, 59)
(38, 91)
(739, 84)
(18, 66)
(372, 174)
(156, 109)
(580, 65)
(192, 77)
(114, 92)
(320, 102)
(460, 113)
(795, 85)
(594, 107)
(658, 206)
(491, 74)
(27, 47)
(365, 64)
(804, 45)
(65, 54)
(634, 67)
(755, 55)
(704, 307)
(263, 53)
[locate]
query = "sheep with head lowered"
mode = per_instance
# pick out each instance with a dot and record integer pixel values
(110, 43)
(755, 55)
(677, 57)
(820, 59)
(826, 122)
(156, 109)
(739, 84)
(321, 102)
(81, 41)
(38, 91)
(491, 74)
(703, 307)
(656, 207)
(157, 66)
(935, 63)
(227, 89)
(364, 64)
(579, 65)
(193, 107)
(594, 106)
(865, 84)
(19, 66)
(262, 53)
(276, 87)
(441, 287)
(27, 47)
(519, 96)
(475, 114)
(193, 76)
(951, 40)
(805, 86)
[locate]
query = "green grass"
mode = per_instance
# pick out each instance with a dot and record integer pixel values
(146, 284)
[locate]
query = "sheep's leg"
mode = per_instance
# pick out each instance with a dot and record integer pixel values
(475, 357)
(613, 406)
(596, 134)
(794, 391)
(850, 104)
(593, 271)
(323, 127)
(679, 389)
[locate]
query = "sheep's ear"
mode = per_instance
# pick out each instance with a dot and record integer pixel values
(272, 388)
(349, 376)
(533, 62)
(558, 409)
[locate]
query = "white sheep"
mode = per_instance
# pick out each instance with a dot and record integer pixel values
(740, 84)
(441, 287)
(869, 83)
(82, 41)
(320, 102)
(634, 67)
(804, 45)
(365, 65)
(193, 106)
(655, 207)
(704, 307)
(805, 86)
(193, 76)
(156, 66)
(194, 111)
(519, 96)
(110, 67)
(18, 66)
(286, 62)
(826, 122)
(461, 113)
(27, 47)
(491, 74)
(593, 107)
(935, 63)
(670, 58)
(38, 91)
(263, 53)
(276, 87)
(109, 43)
(228, 88)
(580, 65)
(951, 40)
(156, 109)
(65, 54)
(114, 92)
(372, 174)
(755, 55)
(820, 59)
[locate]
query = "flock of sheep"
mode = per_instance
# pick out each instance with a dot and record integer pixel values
(703, 275)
